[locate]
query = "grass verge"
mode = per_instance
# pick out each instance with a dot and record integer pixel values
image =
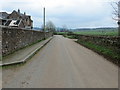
(109, 53)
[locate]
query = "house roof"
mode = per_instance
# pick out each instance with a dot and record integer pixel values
(21, 14)
(3, 15)
(15, 18)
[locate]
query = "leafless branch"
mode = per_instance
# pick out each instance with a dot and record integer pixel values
(115, 9)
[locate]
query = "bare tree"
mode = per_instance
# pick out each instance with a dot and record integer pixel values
(116, 13)
(115, 9)
(65, 29)
(50, 26)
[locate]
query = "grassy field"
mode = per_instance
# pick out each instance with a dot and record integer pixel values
(113, 32)
(109, 32)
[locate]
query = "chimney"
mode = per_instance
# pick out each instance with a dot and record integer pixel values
(19, 11)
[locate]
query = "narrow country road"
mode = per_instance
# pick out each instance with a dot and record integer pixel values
(62, 63)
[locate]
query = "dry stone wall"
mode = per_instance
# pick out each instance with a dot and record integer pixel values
(15, 38)
(111, 41)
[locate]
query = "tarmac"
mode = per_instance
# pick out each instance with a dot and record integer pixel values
(62, 63)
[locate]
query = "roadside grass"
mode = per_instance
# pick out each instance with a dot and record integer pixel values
(107, 52)
(61, 33)
(66, 34)
(70, 36)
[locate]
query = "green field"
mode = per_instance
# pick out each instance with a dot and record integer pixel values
(110, 32)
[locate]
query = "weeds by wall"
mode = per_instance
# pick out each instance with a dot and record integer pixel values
(108, 46)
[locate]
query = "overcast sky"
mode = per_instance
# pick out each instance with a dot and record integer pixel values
(72, 13)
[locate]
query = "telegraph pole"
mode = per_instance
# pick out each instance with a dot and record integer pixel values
(44, 21)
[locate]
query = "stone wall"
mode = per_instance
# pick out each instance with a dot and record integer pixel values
(111, 41)
(14, 39)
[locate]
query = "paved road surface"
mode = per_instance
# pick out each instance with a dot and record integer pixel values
(62, 63)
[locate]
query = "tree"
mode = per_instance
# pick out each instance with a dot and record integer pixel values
(116, 13)
(119, 18)
(65, 29)
(50, 26)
